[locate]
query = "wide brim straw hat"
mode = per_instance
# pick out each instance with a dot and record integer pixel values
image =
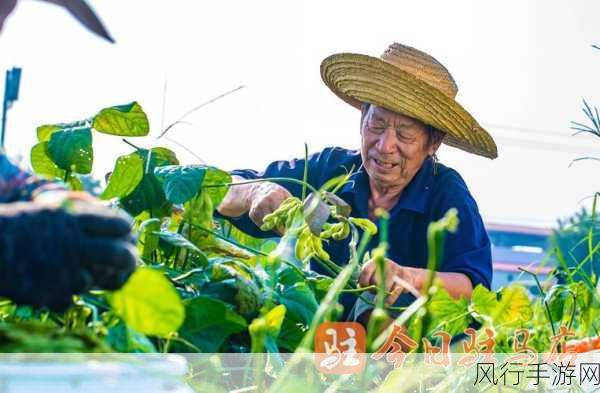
(408, 81)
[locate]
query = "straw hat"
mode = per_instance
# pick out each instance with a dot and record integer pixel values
(410, 82)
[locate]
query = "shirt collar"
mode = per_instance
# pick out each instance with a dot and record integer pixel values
(414, 197)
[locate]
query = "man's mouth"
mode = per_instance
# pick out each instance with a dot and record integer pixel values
(385, 164)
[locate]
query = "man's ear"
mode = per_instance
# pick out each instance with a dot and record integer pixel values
(431, 150)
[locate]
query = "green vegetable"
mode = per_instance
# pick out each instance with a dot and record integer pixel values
(204, 286)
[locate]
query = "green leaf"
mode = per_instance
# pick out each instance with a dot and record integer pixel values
(126, 340)
(299, 301)
(484, 301)
(126, 176)
(291, 334)
(123, 120)
(181, 183)
(71, 149)
(558, 298)
(215, 176)
(274, 319)
(514, 307)
(450, 314)
(320, 286)
(177, 240)
(149, 194)
(289, 276)
(199, 211)
(148, 240)
(42, 164)
(224, 290)
(297, 295)
(161, 156)
(209, 322)
(45, 132)
(223, 268)
(149, 303)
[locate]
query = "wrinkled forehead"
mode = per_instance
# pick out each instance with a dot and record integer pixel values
(377, 112)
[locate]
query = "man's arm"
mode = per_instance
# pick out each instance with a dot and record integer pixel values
(397, 276)
(236, 201)
(257, 199)
(261, 198)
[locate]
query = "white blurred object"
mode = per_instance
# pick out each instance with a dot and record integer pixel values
(76, 373)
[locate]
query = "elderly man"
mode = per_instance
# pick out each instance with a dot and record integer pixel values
(408, 109)
(55, 243)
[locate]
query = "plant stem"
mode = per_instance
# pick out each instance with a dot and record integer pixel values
(344, 181)
(546, 306)
(290, 264)
(187, 254)
(361, 289)
(131, 144)
(329, 264)
(167, 345)
(273, 179)
(573, 310)
(535, 277)
(196, 108)
(244, 247)
(380, 258)
(326, 267)
(178, 250)
(305, 176)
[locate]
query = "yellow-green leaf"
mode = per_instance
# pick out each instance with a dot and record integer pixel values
(126, 176)
(123, 120)
(274, 319)
(450, 314)
(484, 301)
(44, 132)
(42, 164)
(149, 303)
(514, 307)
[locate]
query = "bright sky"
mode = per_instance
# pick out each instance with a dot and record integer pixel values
(522, 68)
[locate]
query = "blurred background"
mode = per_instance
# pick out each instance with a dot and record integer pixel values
(523, 69)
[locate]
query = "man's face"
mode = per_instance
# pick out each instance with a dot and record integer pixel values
(394, 146)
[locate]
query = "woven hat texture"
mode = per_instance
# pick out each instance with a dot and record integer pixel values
(408, 81)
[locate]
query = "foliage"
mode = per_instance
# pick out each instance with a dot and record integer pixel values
(572, 239)
(204, 286)
(196, 289)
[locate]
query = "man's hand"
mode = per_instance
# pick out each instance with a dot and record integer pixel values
(398, 278)
(265, 200)
(50, 252)
(256, 199)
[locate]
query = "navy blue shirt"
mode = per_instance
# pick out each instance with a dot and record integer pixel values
(425, 199)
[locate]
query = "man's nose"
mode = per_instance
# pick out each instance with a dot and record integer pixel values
(387, 141)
